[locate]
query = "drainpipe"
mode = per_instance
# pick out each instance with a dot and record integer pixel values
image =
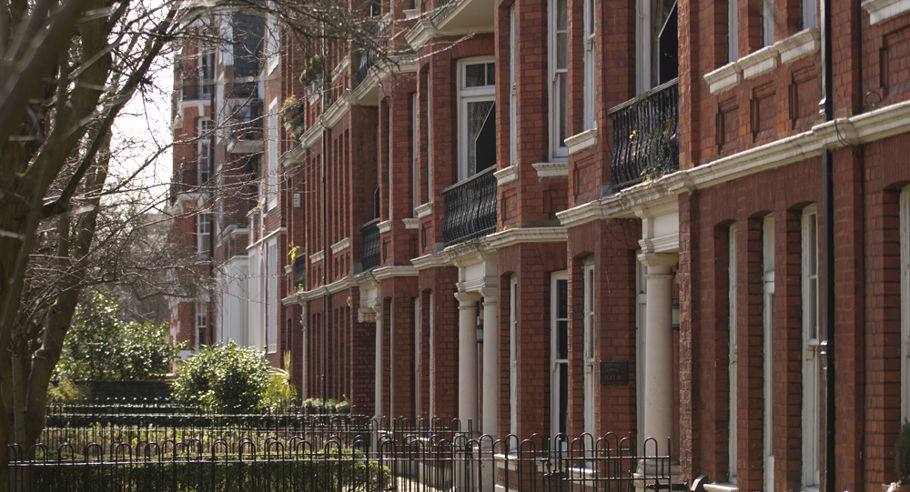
(827, 112)
(325, 237)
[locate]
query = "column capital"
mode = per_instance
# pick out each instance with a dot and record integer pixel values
(467, 299)
(658, 262)
(490, 295)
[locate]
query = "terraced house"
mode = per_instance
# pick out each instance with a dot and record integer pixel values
(682, 219)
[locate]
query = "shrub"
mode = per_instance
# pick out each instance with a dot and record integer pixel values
(223, 379)
(902, 452)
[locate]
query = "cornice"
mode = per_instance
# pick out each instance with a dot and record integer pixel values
(340, 246)
(317, 256)
(424, 210)
(551, 169)
(520, 235)
(384, 226)
(423, 31)
(586, 139)
(882, 10)
(506, 175)
(393, 271)
(332, 288)
(431, 260)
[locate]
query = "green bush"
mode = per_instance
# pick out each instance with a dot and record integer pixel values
(902, 452)
(318, 406)
(223, 379)
(101, 346)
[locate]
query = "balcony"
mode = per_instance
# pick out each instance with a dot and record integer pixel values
(470, 208)
(370, 258)
(363, 62)
(300, 272)
(245, 126)
(645, 136)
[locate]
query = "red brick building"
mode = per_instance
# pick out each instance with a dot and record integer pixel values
(591, 216)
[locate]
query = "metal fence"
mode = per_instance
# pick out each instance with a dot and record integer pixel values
(319, 453)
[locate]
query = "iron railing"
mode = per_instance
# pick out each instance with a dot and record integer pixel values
(364, 64)
(404, 459)
(370, 257)
(470, 208)
(246, 120)
(645, 136)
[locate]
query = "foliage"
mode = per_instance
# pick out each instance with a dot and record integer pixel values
(280, 395)
(330, 406)
(101, 346)
(223, 379)
(902, 452)
(313, 70)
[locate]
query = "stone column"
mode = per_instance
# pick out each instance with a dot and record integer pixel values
(467, 358)
(658, 347)
(490, 362)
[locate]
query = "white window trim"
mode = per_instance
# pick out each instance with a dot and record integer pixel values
(588, 345)
(513, 356)
(555, 388)
(204, 151)
(415, 151)
(905, 303)
(558, 148)
(429, 87)
(513, 90)
(767, 22)
(201, 322)
(589, 91)
(642, 46)
(810, 14)
(418, 366)
(206, 57)
(811, 473)
(468, 95)
(768, 260)
(733, 30)
(732, 371)
(204, 235)
(432, 355)
(272, 41)
(272, 299)
(272, 156)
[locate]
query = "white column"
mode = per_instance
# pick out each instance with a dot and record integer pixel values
(378, 371)
(658, 347)
(490, 362)
(467, 358)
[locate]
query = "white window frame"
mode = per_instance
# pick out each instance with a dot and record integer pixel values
(271, 156)
(732, 347)
(429, 87)
(468, 95)
(588, 345)
(644, 47)
(641, 310)
(905, 303)
(557, 77)
(589, 61)
(555, 361)
(271, 277)
(810, 14)
(513, 90)
(204, 235)
(811, 371)
(201, 322)
(206, 70)
(768, 259)
(418, 366)
(513, 357)
(732, 30)
(273, 41)
(415, 151)
(204, 151)
(431, 335)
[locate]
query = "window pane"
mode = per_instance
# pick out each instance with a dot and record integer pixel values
(562, 301)
(481, 135)
(563, 88)
(561, 17)
(561, 50)
(475, 75)
(491, 74)
(562, 339)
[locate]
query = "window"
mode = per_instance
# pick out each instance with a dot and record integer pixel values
(476, 117)
(417, 377)
(810, 14)
(768, 349)
(513, 357)
(271, 275)
(254, 315)
(732, 30)
(588, 346)
(204, 236)
(810, 355)
(559, 354)
(272, 156)
(432, 355)
(590, 65)
(513, 91)
(429, 139)
(204, 152)
(202, 318)
(559, 73)
(656, 43)
(732, 371)
(415, 150)
(206, 70)
(767, 22)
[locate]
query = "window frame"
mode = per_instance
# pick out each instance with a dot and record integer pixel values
(732, 354)
(767, 278)
(589, 62)
(272, 297)
(810, 476)
(556, 388)
(513, 356)
(468, 95)
(272, 157)
(558, 147)
(205, 151)
(905, 302)
(201, 316)
(589, 300)
(513, 90)
(204, 246)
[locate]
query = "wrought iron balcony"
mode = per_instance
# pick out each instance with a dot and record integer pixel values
(300, 272)
(246, 120)
(363, 63)
(470, 208)
(370, 234)
(645, 136)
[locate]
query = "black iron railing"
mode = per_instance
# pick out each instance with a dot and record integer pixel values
(370, 233)
(364, 63)
(470, 208)
(645, 136)
(246, 120)
(300, 272)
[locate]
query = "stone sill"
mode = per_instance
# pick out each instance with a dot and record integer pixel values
(506, 175)
(582, 141)
(882, 10)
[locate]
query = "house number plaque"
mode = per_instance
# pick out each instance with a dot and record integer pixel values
(614, 372)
